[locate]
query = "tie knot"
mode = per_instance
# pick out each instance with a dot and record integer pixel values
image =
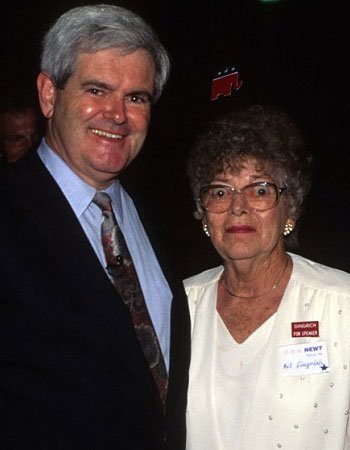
(103, 201)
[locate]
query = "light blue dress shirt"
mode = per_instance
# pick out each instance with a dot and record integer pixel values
(79, 194)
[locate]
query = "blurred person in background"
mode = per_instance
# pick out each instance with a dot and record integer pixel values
(20, 125)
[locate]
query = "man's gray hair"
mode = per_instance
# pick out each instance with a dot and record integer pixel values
(88, 29)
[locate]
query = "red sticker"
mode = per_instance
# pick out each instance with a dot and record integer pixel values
(305, 329)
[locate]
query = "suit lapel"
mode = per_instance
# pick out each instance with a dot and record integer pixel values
(55, 232)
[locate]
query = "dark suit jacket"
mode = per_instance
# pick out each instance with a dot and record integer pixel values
(72, 374)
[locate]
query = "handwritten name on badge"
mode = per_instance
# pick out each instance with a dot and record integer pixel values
(305, 329)
(304, 359)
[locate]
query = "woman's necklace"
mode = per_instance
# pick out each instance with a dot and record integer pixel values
(273, 288)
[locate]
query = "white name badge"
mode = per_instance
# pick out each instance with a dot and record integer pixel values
(304, 359)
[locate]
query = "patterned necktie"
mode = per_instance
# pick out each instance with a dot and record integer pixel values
(121, 269)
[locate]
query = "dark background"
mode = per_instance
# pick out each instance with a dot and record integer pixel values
(292, 53)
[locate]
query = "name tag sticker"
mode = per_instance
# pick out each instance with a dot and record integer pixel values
(305, 329)
(304, 359)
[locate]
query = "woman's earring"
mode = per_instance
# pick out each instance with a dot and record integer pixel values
(288, 228)
(206, 229)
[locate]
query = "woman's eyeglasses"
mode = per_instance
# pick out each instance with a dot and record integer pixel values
(260, 196)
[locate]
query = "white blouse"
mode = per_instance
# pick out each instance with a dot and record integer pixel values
(248, 396)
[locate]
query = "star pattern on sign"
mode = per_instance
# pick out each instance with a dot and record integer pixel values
(324, 367)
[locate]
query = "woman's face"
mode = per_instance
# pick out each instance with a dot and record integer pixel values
(241, 232)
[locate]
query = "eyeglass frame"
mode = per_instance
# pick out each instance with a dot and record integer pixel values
(279, 191)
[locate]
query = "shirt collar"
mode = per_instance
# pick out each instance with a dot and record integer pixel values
(78, 193)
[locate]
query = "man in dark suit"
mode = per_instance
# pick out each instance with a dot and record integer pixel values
(74, 372)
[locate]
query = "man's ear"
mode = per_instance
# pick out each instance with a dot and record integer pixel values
(47, 94)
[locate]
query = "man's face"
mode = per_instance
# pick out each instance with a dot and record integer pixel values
(99, 120)
(19, 133)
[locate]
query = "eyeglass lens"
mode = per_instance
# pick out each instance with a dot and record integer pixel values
(218, 198)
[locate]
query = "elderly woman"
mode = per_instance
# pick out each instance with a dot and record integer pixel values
(270, 361)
